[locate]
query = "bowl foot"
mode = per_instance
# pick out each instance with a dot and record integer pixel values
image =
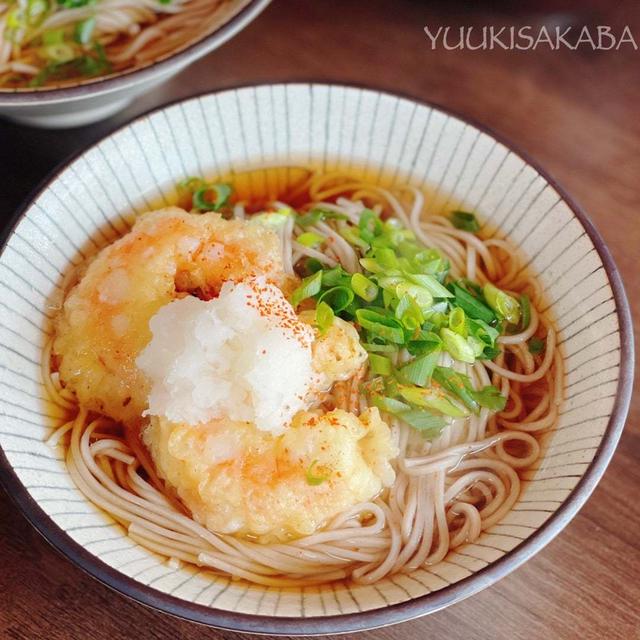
(71, 116)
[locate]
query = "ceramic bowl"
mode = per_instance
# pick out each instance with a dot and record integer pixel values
(333, 127)
(96, 99)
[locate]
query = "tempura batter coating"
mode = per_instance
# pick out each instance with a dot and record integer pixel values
(237, 479)
(104, 323)
(337, 353)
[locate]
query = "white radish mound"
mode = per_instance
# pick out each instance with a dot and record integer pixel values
(242, 356)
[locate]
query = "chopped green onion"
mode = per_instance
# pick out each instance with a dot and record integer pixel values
(409, 313)
(432, 398)
(437, 318)
(502, 303)
(386, 257)
(211, 197)
(370, 225)
(318, 215)
(338, 298)
(388, 298)
(422, 296)
(431, 284)
(273, 219)
(473, 307)
(457, 384)
(409, 250)
(379, 348)
(191, 183)
(430, 262)
(350, 234)
(429, 424)
(380, 365)
(393, 223)
(473, 287)
(60, 53)
(458, 322)
(536, 346)
(457, 346)
(75, 4)
(460, 385)
(311, 265)
(465, 221)
(324, 317)
(313, 479)
(425, 342)
(525, 306)
(390, 282)
(422, 420)
(390, 405)
(483, 331)
(491, 398)
(93, 65)
(36, 11)
(477, 345)
(53, 36)
(310, 239)
(16, 19)
(419, 370)
(490, 353)
(381, 326)
(363, 287)
(309, 287)
(400, 304)
(487, 334)
(89, 65)
(84, 30)
(334, 277)
(372, 265)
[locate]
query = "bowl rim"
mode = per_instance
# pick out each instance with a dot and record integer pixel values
(391, 614)
(124, 79)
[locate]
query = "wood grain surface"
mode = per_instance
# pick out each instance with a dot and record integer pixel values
(577, 114)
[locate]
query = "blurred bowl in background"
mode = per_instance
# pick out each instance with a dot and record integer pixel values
(91, 100)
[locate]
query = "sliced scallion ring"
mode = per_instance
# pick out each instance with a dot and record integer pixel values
(211, 197)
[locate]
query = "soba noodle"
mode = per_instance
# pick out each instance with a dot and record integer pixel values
(45, 45)
(447, 491)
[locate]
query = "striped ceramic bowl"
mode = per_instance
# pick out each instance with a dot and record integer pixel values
(333, 127)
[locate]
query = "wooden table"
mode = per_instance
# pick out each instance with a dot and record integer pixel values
(577, 113)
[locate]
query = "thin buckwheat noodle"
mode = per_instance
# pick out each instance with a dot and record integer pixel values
(447, 491)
